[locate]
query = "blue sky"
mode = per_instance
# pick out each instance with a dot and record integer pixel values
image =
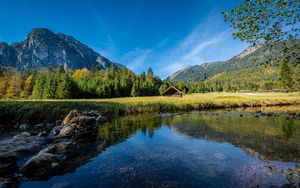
(166, 35)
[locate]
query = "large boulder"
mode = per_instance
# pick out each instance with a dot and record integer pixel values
(77, 124)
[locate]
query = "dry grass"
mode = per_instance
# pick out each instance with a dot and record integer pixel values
(55, 109)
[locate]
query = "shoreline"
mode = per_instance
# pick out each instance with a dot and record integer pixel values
(35, 111)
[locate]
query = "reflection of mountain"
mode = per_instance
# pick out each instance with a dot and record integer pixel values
(266, 138)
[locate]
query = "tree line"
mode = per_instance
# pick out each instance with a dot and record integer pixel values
(59, 84)
(83, 83)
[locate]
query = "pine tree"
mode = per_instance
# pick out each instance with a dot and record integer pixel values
(50, 86)
(296, 77)
(286, 75)
(150, 73)
(63, 89)
(163, 87)
(38, 88)
(135, 89)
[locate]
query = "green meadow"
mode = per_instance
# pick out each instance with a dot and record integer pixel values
(39, 110)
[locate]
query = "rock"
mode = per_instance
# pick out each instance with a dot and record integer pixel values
(55, 131)
(42, 165)
(50, 125)
(8, 182)
(77, 124)
(58, 122)
(39, 126)
(8, 166)
(49, 161)
(42, 134)
(23, 134)
(86, 119)
(101, 118)
(21, 146)
(23, 127)
(71, 117)
(62, 148)
(92, 113)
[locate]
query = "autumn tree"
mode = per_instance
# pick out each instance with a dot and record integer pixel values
(14, 86)
(27, 87)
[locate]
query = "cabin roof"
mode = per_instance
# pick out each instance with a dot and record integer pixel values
(171, 88)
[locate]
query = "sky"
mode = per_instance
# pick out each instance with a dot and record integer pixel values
(166, 35)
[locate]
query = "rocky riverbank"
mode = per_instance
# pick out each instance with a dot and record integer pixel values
(51, 151)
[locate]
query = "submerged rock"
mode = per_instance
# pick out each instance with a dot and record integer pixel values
(58, 122)
(23, 127)
(22, 145)
(57, 157)
(39, 126)
(8, 182)
(52, 160)
(42, 165)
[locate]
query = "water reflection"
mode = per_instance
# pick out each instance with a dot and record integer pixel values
(187, 150)
(271, 138)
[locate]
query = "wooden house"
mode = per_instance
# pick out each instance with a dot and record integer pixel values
(172, 91)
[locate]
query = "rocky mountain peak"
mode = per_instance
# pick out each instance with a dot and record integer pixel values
(40, 32)
(248, 51)
(43, 48)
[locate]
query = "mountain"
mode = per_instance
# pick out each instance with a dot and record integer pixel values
(252, 59)
(43, 48)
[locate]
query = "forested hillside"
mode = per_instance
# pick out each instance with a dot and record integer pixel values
(81, 83)
(254, 58)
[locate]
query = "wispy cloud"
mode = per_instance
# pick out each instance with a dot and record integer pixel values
(201, 45)
(192, 52)
(135, 59)
(198, 48)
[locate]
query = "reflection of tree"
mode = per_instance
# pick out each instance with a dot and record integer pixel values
(121, 128)
(287, 130)
(270, 138)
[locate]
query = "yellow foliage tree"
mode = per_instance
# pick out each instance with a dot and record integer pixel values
(27, 88)
(3, 87)
(81, 74)
(14, 86)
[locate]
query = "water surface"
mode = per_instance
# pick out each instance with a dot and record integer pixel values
(188, 150)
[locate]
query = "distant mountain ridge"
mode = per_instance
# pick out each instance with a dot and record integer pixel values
(43, 48)
(251, 58)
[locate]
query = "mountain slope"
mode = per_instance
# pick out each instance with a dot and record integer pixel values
(43, 48)
(251, 58)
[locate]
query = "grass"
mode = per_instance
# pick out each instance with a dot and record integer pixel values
(39, 110)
